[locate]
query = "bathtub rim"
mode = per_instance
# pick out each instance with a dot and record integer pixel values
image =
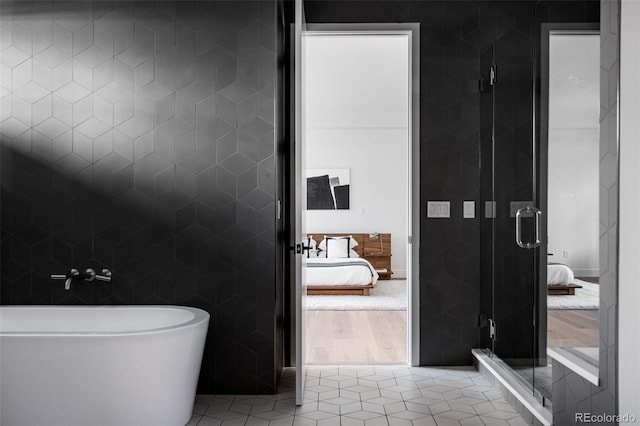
(200, 316)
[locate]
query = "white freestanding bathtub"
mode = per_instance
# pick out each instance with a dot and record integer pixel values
(99, 365)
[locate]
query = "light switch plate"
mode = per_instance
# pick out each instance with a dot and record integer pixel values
(469, 209)
(489, 209)
(438, 209)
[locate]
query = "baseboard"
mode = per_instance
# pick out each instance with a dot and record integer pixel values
(399, 274)
(591, 273)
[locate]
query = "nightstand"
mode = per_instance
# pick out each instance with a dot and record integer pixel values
(377, 250)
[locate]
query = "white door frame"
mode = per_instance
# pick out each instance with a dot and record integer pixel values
(413, 222)
(300, 201)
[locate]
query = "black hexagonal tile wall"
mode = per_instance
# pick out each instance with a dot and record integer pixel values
(121, 125)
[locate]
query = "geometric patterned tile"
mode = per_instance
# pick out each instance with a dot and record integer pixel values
(52, 57)
(41, 110)
(42, 75)
(20, 109)
(93, 128)
(22, 36)
(5, 78)
(113, 92)
(103, 74)
(12, 56)
(72, 20)
(5, 107)
(62, 38)
(72, 92)
(12, 128)
(134, 128)
(82, 73)
(131, 98)
(83, 36)
(153, 92)
(61, 75)
(52, 128)
(237, 92)
(22, 74)
(82, 109)
(31, 92)
(92, 57)
(337, 410)
(103, 110)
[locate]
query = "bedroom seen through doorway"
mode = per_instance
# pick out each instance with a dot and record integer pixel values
(357, 136)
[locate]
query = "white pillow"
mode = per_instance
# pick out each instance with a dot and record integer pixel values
(352, 242)
(337, 247)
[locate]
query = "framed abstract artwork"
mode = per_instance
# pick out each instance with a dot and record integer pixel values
(328, 189)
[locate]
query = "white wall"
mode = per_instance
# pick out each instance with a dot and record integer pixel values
(573, 200)
(357, 117)
(629, 257)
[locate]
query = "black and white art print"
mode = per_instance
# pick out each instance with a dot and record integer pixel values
(328, 189)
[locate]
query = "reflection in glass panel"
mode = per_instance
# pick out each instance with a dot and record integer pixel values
(573, 184)
(570, 133)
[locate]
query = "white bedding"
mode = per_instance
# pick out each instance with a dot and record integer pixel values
(558, 274)
(340, 271)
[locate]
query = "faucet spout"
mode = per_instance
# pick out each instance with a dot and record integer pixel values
(71, 275)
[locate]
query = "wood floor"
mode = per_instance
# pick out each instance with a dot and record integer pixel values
(571, 328)
(357, 337)
(380, 337)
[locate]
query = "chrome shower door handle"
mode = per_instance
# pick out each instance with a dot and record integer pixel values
(537, 213)
(519, 227)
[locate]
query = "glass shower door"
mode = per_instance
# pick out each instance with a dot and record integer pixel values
(486, 197)
(511, 220)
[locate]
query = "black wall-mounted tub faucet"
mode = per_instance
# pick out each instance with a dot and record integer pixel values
(87, 275)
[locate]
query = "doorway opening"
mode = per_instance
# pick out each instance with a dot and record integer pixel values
(359, 140)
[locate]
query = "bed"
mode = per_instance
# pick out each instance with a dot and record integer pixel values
(349, 274)
(560, 280)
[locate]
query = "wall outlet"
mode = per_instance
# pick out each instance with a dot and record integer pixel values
(565, 254)
(363, 212)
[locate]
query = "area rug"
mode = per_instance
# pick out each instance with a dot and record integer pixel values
(587, 297)
(387, 295)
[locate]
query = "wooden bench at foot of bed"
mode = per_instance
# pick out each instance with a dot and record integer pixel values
(560, 290)
(355, 290)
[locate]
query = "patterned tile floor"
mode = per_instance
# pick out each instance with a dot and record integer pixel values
(367, 396)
